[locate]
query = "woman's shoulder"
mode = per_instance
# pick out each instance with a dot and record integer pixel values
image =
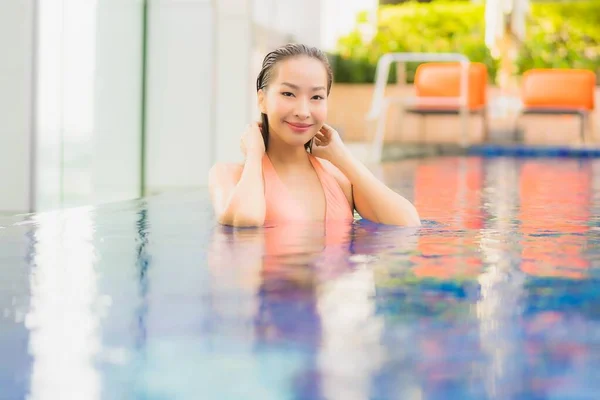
(333, 170)
(339, 177)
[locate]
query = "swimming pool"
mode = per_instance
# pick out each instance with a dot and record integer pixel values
(496, 296)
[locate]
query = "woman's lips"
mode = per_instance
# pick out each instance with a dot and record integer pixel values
(298, 128)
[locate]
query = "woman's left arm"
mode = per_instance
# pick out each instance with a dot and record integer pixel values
(373, 200)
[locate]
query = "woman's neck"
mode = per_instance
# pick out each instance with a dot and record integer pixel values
(281, 153)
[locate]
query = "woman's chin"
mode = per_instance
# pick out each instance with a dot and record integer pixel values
(298, 140)
(293, 138)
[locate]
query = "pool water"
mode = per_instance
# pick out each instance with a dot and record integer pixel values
(496, 296)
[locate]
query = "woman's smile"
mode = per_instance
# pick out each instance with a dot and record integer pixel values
(298, 127)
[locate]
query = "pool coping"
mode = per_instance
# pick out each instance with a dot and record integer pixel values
(400, 151)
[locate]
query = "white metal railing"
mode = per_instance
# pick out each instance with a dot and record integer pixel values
(381, 103)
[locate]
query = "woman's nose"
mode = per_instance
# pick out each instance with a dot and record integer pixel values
(302, 109)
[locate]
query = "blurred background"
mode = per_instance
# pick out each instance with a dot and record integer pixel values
(108, 100)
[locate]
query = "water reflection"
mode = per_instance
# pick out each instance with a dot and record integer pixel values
(501, 286)
(496, 296)
(64, 310)
(554, 222)
(143, 263)
(315, 292)
(450, 192)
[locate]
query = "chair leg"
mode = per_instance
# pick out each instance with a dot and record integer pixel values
(516, 128)
(485, 127)
(421, 129)
(591, 125)
(582, 126)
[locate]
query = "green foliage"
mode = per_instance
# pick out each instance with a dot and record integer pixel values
(564, 34)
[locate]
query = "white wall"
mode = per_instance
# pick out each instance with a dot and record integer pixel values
(180, 98)
(116, 163)
(16, 44)
(233, 78)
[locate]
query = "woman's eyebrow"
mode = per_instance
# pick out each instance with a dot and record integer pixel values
(296, 87)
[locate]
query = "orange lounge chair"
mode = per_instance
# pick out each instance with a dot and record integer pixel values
(558, 92)
(436, 81)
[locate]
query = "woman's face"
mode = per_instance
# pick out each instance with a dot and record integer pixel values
(295, 100)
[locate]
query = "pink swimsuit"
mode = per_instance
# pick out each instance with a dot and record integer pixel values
(282, 207)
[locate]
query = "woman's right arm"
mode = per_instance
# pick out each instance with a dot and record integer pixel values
(237, 192)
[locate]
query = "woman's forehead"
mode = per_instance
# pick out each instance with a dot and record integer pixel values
(301, 71)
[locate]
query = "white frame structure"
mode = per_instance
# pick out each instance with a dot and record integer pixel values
(381, 103)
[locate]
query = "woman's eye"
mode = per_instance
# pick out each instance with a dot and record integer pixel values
(287, 94)
(318, 97)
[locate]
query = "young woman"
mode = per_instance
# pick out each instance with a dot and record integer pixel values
(296, 167)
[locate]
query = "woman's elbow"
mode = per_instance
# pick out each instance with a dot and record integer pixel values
(412, 219)
(406, 218)
(241, 221)
(413, 222)
(402, 221)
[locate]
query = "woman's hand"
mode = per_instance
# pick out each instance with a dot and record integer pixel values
(252, 142)
(328, 145)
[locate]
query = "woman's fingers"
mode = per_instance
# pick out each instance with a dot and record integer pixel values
(325, 132)
(322, 136)
(323, 141)
(326, 129)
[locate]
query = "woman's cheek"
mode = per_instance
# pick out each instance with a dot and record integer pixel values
(281, 108)
(320, 113)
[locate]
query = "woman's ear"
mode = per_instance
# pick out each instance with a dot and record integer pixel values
(262, 101)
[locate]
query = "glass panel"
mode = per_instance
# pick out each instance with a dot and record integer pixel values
(89, 101)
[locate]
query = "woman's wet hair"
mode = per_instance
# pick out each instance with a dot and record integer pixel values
(268, 71)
